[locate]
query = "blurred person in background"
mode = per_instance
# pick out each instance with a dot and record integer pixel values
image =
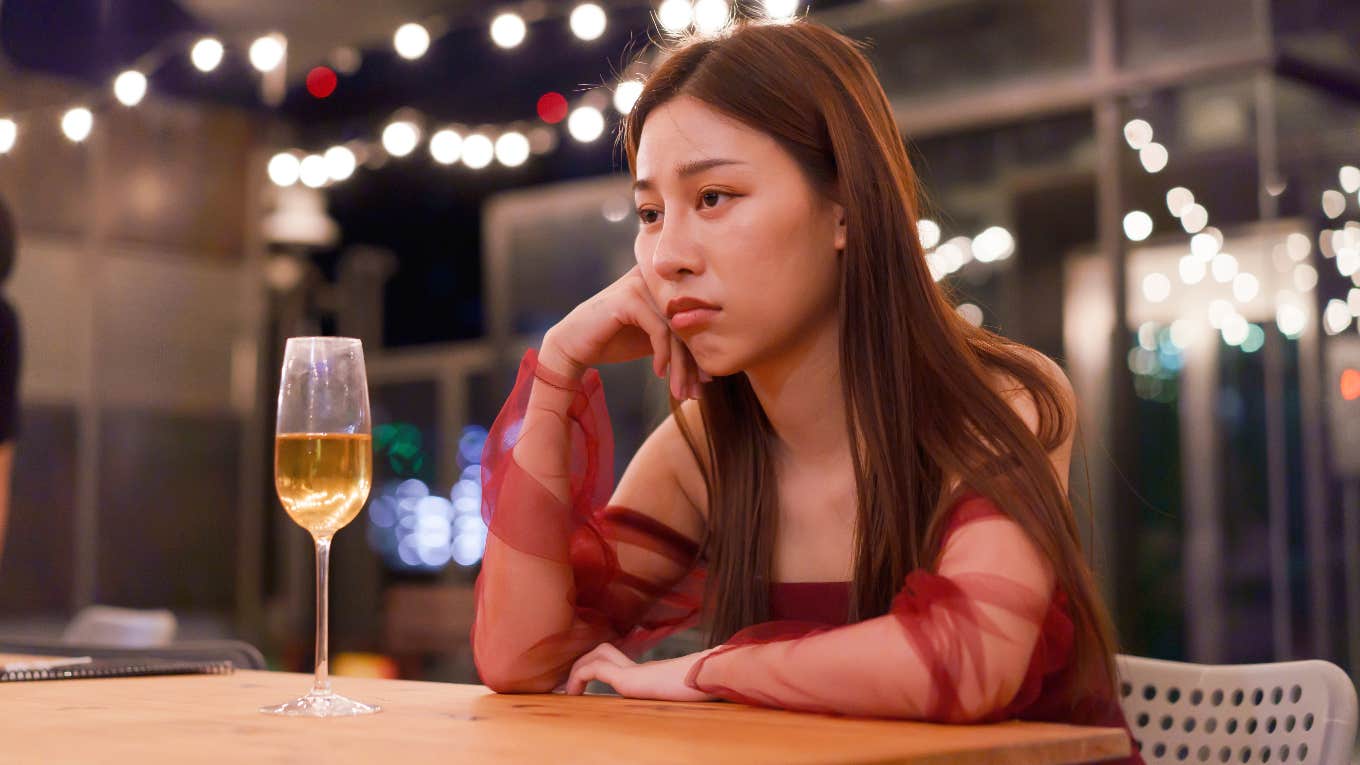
(9, 369)
(863, 495)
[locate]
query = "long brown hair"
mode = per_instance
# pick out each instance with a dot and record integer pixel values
(922, 403)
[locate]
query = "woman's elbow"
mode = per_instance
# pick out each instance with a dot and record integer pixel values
(993, 696)
(506, 675)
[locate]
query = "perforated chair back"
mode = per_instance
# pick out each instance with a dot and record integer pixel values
(1289, 712)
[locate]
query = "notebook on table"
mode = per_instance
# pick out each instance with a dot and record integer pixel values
(17, 669)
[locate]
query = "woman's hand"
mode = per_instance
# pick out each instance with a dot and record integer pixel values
(660, 680)
(621, 323)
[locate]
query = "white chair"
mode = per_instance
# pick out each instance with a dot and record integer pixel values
(1289, 712)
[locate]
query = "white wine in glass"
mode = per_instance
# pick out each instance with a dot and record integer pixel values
(323, 468)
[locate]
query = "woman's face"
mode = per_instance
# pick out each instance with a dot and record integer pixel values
(728, 218)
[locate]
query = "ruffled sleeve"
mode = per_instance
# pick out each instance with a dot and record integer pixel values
(955, 646)
(563, 570)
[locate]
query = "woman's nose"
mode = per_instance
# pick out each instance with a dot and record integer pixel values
(676, 255)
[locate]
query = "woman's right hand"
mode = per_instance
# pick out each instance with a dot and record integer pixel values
(621, 323)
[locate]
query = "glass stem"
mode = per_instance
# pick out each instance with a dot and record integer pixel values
(322, 686)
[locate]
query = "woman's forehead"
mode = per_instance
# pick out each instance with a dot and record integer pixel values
(685, 131)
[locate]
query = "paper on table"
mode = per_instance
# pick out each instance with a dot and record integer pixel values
(28, 664)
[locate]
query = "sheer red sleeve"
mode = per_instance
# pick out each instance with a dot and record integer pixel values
(955, 646)
(564, 571)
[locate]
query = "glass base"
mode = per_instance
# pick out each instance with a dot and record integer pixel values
(322, 705)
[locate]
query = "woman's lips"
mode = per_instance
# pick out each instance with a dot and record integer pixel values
(693, 318)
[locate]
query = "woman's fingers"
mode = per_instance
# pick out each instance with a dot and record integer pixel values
(592, 664)
(658, 334)
(654, 324)
(679, 369)
(596, 670)
(612, 653)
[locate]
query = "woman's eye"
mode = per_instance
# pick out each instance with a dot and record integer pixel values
(710, 198)
(647, 216)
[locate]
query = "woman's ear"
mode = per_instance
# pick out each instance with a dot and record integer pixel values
(839, 212)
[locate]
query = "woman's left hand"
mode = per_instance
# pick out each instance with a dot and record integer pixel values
(660, 680)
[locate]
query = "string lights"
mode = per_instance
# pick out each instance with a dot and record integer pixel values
(584, 120)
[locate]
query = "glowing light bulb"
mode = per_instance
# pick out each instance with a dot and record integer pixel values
(77, 123)
(130, 87)
(588, 21)
(206, 54)
(508, 30)
(411, 41)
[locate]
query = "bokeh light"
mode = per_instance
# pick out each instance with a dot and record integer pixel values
(1138, 133)
(400, 138)
(552, 107)
(267, 52)
(508, 30)
(478, 151)
(1333, 203)
(625, 95)
(1235, 329)
(206, 54)
(994, 243)
(1156, 287)
(971, 313)
(1185, 333)
(512, 149)
(1177, 199)
(284, 168)
(340, 163)
(929, 232)
(780, 10)
(446, 146)
(1349, 176)
(711, 16)
(1192, 269)
(588, 21)
(1153, 156)
(585, 123)
(1291, 319)
(1245, 287)
(77, 123)
(9, 133)
(1204, 245)
(411, 41)
(312, 171)
(1194, 218)
(321, 81)
(1336, 317)
(1137, 225)
(675, 16)
(130, 87)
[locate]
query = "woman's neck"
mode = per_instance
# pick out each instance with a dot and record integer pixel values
(800, 391)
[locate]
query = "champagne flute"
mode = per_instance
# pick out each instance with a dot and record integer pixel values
(323, 468)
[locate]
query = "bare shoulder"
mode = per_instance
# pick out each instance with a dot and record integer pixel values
(664, 480)
(1021, 398)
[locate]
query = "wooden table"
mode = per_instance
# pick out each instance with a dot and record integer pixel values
(200, 719)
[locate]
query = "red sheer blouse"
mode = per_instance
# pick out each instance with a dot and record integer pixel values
(982, 636)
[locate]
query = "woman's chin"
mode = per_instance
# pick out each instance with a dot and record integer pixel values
(716, 366)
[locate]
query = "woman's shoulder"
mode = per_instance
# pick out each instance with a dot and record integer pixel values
(664, 479)
(1022, 401)
(1017, 392)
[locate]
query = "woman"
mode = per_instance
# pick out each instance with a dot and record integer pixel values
(862, 496)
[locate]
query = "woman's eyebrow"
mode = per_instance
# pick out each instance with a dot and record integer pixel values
(687, 169)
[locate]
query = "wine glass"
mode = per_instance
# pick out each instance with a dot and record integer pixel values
(323, 468)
